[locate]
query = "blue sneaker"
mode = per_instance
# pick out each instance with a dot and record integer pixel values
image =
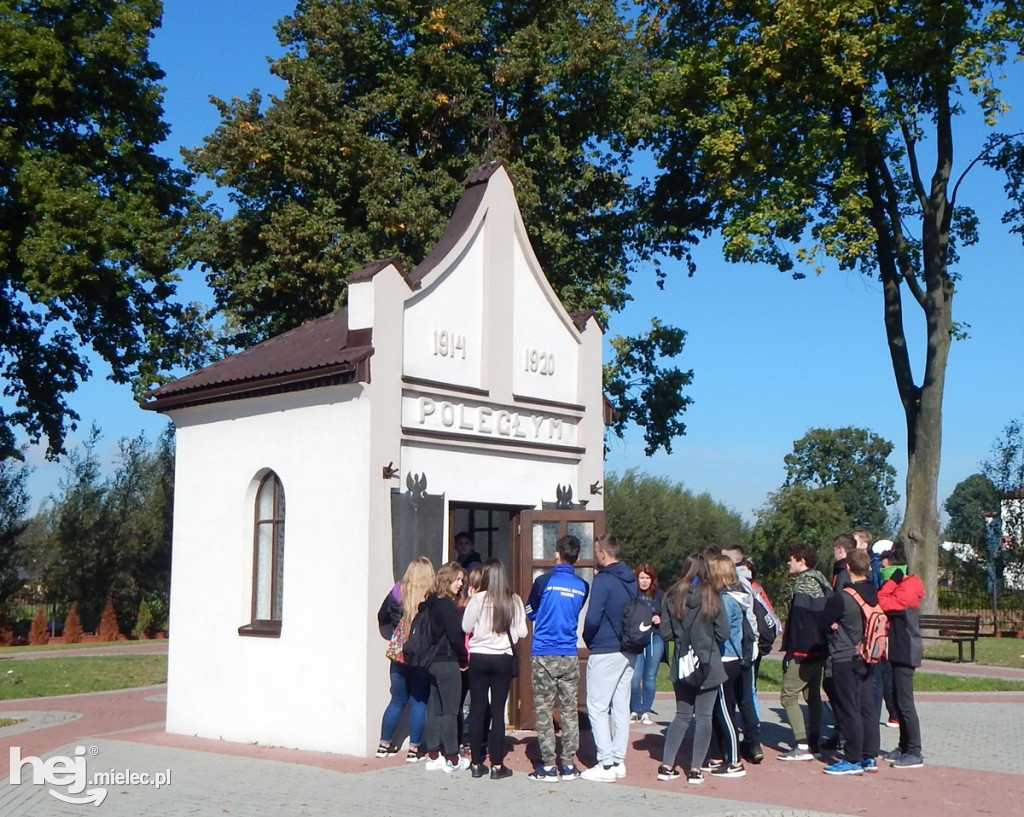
(869, 764)
(544, 774)
(571, 772)
(843, 767)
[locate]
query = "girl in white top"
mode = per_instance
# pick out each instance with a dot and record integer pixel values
(495, 618)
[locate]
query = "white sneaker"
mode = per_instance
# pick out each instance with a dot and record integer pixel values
(599, 774)
(435, 765)
(633, 717)
(620, 770)
(646, 719)
(452, 768)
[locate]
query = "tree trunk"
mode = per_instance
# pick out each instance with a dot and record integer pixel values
(919, 532)
(923, 405)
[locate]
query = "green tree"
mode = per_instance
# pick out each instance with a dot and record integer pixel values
(1005, 470)
(14, 500)
(855, 462)
(821, 133)
(92, 221)
(388, 107)
(76, 563)
(971, 499)
(966, 507)
(662, 522)
(109, 536)
(795, 513)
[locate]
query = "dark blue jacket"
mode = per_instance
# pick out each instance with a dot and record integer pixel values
(554, 608)
(613, 587)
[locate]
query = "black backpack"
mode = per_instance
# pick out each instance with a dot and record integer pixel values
(767, 628)
(637, 626)
(747, 646)
(420, 645)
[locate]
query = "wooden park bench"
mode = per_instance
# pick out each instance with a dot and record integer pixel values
(959, 629)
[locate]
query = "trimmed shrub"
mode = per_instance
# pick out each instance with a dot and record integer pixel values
(39, 634)
(73, 626)
(144, 623)
(109, 631)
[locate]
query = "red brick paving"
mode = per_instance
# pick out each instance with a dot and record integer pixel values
(931, 791)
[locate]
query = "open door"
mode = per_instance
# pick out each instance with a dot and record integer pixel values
(537, 532)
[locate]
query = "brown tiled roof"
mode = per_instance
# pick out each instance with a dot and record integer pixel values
(581, 317)
(476, 186)
(320, 352)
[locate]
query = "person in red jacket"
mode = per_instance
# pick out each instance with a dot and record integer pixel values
(900, 596)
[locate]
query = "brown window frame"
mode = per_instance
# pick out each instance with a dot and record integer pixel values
(268, 627)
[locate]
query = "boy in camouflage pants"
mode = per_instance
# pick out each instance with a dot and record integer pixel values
(554, 606)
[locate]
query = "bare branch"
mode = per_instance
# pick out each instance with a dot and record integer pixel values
(993, 142)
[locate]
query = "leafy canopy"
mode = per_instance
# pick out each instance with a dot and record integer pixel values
(855, 463)
(661, 522)
(91, 219)
(388, 106)
(971, 499)
(820, 133)
(809, 122)
(14, 502)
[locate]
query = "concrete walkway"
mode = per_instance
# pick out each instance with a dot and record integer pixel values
(974, 747)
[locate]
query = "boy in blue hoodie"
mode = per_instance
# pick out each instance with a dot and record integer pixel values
(609, 670)
(554, 606)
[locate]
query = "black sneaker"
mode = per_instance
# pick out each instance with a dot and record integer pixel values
(694, 777)
(500, 773)
(415, 755)
(729, 770)
(666, 773)
(753, 752)
(478, 769)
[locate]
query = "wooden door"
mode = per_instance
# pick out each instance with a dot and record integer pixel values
(534, 553)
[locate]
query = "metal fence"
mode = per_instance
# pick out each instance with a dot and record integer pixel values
(19, 611)
(1004, 614)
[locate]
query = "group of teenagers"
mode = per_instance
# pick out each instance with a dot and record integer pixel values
(719, 622)
(824, 644)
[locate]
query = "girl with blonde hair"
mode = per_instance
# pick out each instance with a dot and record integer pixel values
(409, 685)
(724, 743)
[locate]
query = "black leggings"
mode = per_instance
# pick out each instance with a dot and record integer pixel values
(441, 732)
(490, 677)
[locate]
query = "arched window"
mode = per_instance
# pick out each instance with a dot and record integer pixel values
(268, 559)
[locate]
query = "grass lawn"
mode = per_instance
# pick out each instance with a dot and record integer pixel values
(993, 652)
(72, 675)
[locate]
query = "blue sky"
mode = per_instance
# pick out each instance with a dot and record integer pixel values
(772, 357)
